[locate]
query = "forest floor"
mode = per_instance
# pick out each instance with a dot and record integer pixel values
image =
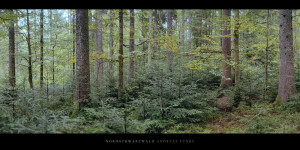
(261, 117)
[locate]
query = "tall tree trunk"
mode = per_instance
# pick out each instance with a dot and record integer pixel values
(149, 38)
(120, 87)
(111, 45)
(99, 46)
(155, 32)
(267, 50)
(29, 52)
(199, 31)
(169, 32)
(295, 43)
(131, 45)
(226, 48)
(221, 31)
(295, 31)
(11, 59)
(286, 86)
(42, 48)
(74, 46)
(190, 32)
(53, 54)
(236, 46)
(82, 57)
(182, 33)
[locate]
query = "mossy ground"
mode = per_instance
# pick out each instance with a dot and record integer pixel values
(261, 117)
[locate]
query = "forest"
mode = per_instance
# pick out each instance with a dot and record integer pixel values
(149, 71)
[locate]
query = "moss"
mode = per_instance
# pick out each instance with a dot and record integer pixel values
(278, 100)
(75, 109)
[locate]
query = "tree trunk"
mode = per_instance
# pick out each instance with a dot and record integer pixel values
(74, 47)
(82, 57)
(236, 46)
(29, 52)
(111, 45)
(286, 86)
(155, 32)
(296, 54)
(53, 51)
(149, 38)
(11, 59)
(182, 33)
(120, 87)
(131, 45)
(42, 48)
(226, 48)
(190, 32)
(267, 51)
(169, 32)
(99, 46)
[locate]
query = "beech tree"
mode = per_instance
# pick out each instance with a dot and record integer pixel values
(286, 86)
(226, 48)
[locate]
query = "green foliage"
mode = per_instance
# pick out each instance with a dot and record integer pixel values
(293, 103)
(156, 100)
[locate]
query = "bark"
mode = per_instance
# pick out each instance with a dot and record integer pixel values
(267, 50)
(226, 48)
(296, 54)
(190, 32)
(42, 48)
(120, 86)
(99, 45)
(74, 47)
(295, 31)
(111, 45)
(182, 33)
(286, 86)
(82, 57)
(149, 38)
(155, 31)
(169, 32)
(131, 45)
(29, 52)
(53, 52)
(236, 47)
(199, 29)
(11, 59)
